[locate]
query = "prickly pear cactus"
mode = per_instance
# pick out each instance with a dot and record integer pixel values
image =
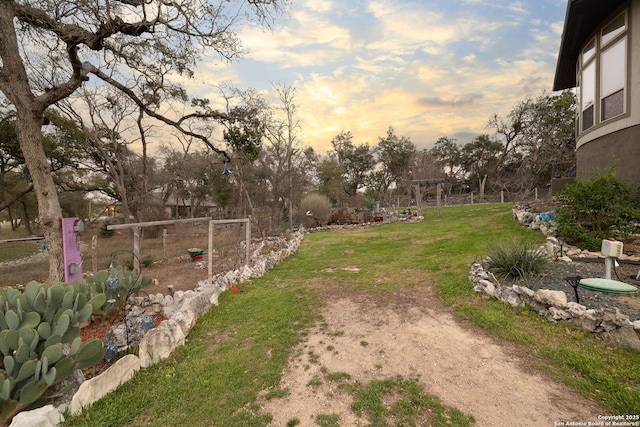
(40, 342)
(103, 282)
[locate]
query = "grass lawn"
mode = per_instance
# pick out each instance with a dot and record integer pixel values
(242, 346)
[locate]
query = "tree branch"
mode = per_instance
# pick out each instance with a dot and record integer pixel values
(216, 115)
(4, 205)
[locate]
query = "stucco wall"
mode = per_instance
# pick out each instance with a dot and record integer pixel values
(621, 149)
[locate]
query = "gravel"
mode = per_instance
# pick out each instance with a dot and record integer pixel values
(556, 272)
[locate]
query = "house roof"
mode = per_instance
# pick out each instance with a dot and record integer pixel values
(186, 202)
(581, 19)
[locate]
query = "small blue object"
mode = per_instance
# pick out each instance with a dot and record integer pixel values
(225, 171)
(146, 323)
(110, 352)
(112, 281)
(547, 216)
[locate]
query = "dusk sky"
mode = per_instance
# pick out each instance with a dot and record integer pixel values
(428, 68)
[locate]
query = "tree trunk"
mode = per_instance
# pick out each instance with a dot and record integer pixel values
(29, 134)
(25, 218)
(13, 225)
(483, 182)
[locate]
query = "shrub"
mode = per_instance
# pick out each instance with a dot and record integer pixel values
(104, 232)
(315, 209)
(597, 209)
(516, 259)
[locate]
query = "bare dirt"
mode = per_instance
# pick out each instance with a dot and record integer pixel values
(370, 336)
(181, 273)
(374, 337)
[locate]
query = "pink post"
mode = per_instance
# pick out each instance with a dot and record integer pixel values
(71, 249)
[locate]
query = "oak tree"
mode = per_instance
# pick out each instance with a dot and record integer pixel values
(50, 48)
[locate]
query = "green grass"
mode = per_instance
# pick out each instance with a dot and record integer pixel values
(405, 402)
(241, 347)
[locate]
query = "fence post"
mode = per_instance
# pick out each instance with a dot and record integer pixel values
(136, 250)
(210, 251)
(439, 198)
(501, 196)
(248, 240)
(94, 254)
(164, 243)
(472, 197)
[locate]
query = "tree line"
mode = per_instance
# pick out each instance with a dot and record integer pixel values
(267, 169)
(85, 82)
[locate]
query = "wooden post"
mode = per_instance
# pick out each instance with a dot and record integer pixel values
(535, 191)
(164, 243)
(418, 199)
(247, 226)
(472, 197)
(210, 250)
(94, 254)
(501, 196)
(136, 250)
(438, 198)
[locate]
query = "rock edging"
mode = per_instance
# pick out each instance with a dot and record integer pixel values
(182, 311)
(554, 307)
(553, 304)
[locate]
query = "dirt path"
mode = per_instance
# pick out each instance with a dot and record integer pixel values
(371, 336)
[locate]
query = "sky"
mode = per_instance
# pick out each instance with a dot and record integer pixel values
(428, 68)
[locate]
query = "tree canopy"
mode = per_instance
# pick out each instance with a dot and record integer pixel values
(51, 48)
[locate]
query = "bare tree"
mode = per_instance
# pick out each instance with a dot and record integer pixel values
(285, 146)
(50, 48)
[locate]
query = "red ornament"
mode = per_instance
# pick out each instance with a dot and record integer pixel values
(234, 288)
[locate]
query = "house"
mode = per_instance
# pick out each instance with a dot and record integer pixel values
(187, 208)
(600, 56)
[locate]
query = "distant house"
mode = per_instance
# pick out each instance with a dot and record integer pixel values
(185, 208)
(600, 56)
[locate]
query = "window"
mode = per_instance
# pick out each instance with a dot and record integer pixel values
(612, 78)
(616, 27)
(588, 95)
(602, 75)
(588, 51)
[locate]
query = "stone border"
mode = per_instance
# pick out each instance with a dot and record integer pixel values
(182, 311)
(553, 304)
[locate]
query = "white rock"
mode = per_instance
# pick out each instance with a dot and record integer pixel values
(159, 342)
(46, 416)
(186, 319)
(576, 310)
(555, 298)
(97, 387)
(559, 314)
(626, 337)
(523, 290)
(487, 287)
(509, 296)
(214, 299)
(588, 321)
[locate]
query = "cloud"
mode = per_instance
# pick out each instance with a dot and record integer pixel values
(429, 69)
(436, 102)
